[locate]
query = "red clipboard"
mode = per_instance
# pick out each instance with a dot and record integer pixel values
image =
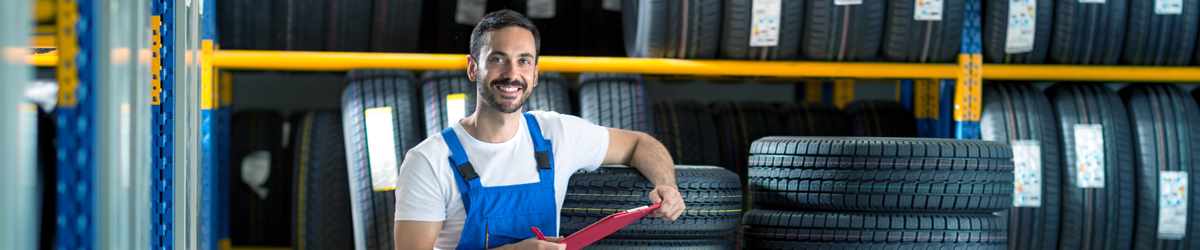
(605, 227)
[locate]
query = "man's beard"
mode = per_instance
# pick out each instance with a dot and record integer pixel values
(489, 98)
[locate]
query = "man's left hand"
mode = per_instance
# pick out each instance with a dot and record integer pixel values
(672, 202)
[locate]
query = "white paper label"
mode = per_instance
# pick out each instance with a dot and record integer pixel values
(539, 9)
(1172, 204)
(764, 23)
(1168, 7)
(1089, 155)
(469, 12)
(381, 146)
(928, 10)
(456, 107)
(611, 5)
(1027, 155)
(1091, 1)
(847, 2)
(1021, 23)
(124, 128)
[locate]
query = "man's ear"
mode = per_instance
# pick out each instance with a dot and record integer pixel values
(471, 68)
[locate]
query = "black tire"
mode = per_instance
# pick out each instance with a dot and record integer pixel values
(256, 221)
(322, 211)
(881, 174)
(697, 244)
(1166, 125)
(256, 19)
(909, 40)
(735, 40)
(367, 89)
(295, 23)
(602, 37)
(739, 124)
(1088, 33)
(653, 28)
(1100, 218)
(995, 29)
(550, 94)
(615, 100)
(686, 129)
(1018, 111)
(396, 25)
(1161, 39)
(843, 32)
(775, 229)
(229, 24)
(348, 26)
(435, 86)
(881, 119)
(712, 195)
(813, 119)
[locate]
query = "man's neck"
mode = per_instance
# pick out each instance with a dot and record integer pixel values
(489, 125)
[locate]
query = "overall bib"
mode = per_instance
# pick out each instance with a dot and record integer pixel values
(498, 216)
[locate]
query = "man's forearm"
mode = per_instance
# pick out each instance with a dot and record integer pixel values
(653, 160)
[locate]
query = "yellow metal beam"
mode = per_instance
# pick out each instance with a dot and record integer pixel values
(343, 61)
(1091, 73)
(43, 60)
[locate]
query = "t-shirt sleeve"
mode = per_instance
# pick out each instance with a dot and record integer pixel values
(585, 144)
(419, 195)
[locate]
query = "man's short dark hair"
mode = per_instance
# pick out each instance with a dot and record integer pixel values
(501, 19)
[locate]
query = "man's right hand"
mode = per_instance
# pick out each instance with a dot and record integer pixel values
(535, 244)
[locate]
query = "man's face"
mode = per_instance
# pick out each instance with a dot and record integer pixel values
(506, 70)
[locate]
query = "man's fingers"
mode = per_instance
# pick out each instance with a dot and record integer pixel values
(554, 239)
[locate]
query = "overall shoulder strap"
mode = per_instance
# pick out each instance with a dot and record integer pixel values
(464, 173)
(540, 144)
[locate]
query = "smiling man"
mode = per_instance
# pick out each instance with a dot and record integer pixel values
(483, 182)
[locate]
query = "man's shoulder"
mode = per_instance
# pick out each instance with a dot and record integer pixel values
(433, 147)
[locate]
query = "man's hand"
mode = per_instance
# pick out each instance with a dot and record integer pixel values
(536, 244)
(672, 202)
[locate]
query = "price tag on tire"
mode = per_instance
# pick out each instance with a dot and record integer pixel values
(1172, 205)
(1089, 156)
(1027, 157)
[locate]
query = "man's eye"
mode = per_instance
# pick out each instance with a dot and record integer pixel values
(524, 61)
(498, 60)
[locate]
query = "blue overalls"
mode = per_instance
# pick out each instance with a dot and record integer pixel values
(498, 216)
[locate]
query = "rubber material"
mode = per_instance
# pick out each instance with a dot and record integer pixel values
(995, 30)
(367, 89)
(843, 32)
(813, 119)
(881, 119)
(686, 129)
(1096, 218)
(713, 198)
(686, 29)
(1166, 126)
(229, 24)
(321, 214)
(615, 100)
(256, 22)
(550, 94)
(599, 36)
(256, 221)
(696, 244)
(1161, 39)
(908, 40)
(890, 231)
(1088, 33)
(736, 32)
(881, 174)
(1019, 111)
(348, 26)
(296, 25)
(435, 86)
(739, 124)
(395, 25)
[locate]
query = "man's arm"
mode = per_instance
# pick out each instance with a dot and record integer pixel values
(648, 156)
(416, 234)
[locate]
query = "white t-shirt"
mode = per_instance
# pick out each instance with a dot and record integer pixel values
(426, 189)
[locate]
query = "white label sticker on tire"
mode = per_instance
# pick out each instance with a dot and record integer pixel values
(1168, 7)
(456, 107)
(1089, 155)
(381, 146)
(1172, 204)
(847, 2)
(1027, 157)
(540, 9)
(1091, 1)
(764, 23)
(928, 10)
(469, 12)
(1021, 23)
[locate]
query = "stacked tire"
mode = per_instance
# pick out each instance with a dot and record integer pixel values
(685, 29)
(260, 180)
(321, 210)
(881, 119)
(1166, 129)
(1011, 38)
(616, 101)
(714, 207)
(877, 193)
(837, 30)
